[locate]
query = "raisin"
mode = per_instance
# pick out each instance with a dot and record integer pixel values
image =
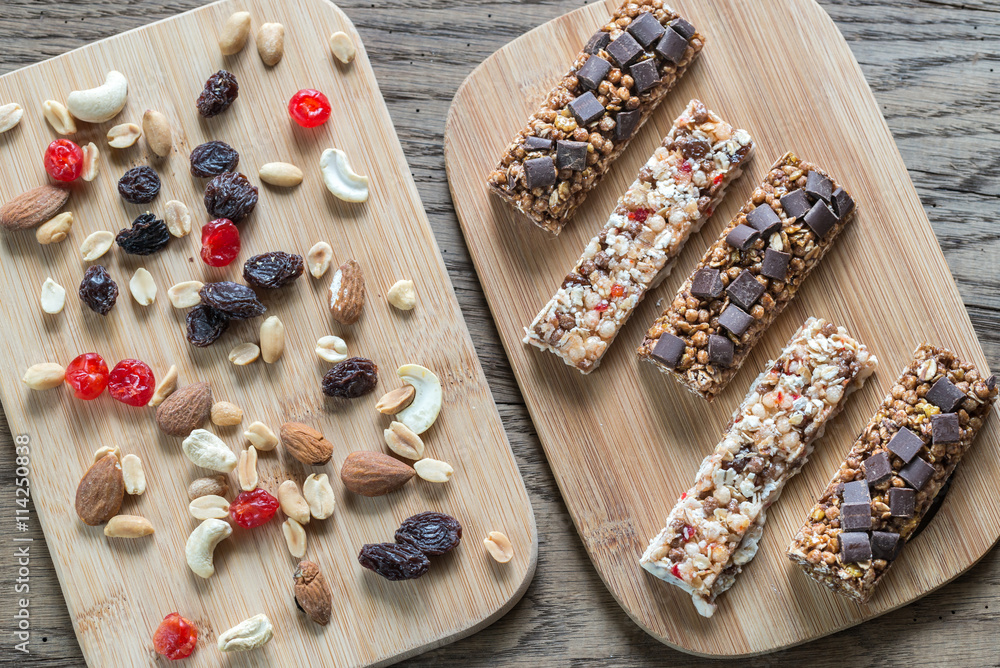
(147, 235)
(230, 195)
(272, 270)
(139, 185)
(393, 561)
(220, 91)
(205, 325)
(431, 533)
(97, 290)
(237, 301)
(212, 158)
(351, 378)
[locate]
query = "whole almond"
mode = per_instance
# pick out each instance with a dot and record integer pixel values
(91, 162)
(185, 410)
(33, 207)
(177, 218)
(306, 444)
(44, 376)
(295, 538)
(312, 593)
(347, 293)
(403, 441)
(271, 43)
(133, 475)
(396, 400)
(157, 130)
(128, 526)
(165, 387)
(226, 414)
(246, 469)
(55, 230)
(100, 492)
(272, 339)
(217, 485)
(373, 473)
(260, 436)
(234, 33)
(292, 502)
(281, 174)
(124, 135)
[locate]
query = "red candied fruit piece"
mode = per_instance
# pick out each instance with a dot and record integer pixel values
(175, 637)
(717, 180)
(617, 291)
(640, 215)
(220, 242)
(64, 160)
(87, 375)
(687, 532)
(131, 382)
(251, 509)
(676, 571)
(686, 167)
(602, 306)
(309, 108)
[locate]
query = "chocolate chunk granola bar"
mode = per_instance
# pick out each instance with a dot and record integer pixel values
(587, 120)
(715, 528)
(748, 276)
(675, 193)
(897, 466)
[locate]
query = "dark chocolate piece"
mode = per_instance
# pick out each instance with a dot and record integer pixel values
(745, 290)
(625, 124)
(624, 50)
(855, 516)
(600, 40)
(818, 186)
(991, 382)
(877, 468)
(646, 29)
(945, 395)
(885, 545)
(842, 203)
(539, 172)
(775, 264)
(645, 74)
(764, 220)
(736, 320)
(945, 428)
(905, 444)
(537, 144)
(571, 155)
(916, 473)
(856, 492)
(820, 219)
(902, 502)
(593, 72)
(720, 350)
(586, 109)
(668, 350)
(707, 283)
(742, 237)
(854, 547)
(796, 203)
(671, 47)
(683, 27)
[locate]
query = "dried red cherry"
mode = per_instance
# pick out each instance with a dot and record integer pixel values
(230, 195)
(64, 160)
(351, 378)
(147, 235)
(97, 290)
(213, 158)
(205, 325)
(87, 375)
(309, 108)
(221, 90)
(175, 637)
(220, 242)
(237, 301)
(394, 561)
(251, 509)
(131, 382)
(270, 271)
(431, 533)
(139, 185)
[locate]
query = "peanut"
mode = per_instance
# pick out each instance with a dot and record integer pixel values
(157, 131)
(134, 476)
(319, 258)
(128, 526)
(433, 470)
(185, 294)
(124, 135)
(499, 547)
(44, 376)
(404, 442)
(58, 117)
(165, 388)
(55, 230)
(271, 43)
(226, 414)
(178, 218)
(292, 503)
(209, 506)
(281, 174)
(234, 33)
(342, 47)
(142, 287)
(319, 495)
(247, 469)
(244, 353)
(53, 296)
(295, 538)
(91, 162)
(96, 245)
(272, 339)
(402, 295)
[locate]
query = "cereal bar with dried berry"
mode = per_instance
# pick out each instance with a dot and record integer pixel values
(748, 276)
(674, 194)
(587, 120)
(897, 466)
(715, 528)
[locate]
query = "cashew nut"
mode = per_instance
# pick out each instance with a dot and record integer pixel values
(247, 635)
(96, 105)
(426, 404)
(208, 451)
(200, 548)
(340, 179)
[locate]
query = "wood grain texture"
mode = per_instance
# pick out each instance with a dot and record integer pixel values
(116, 608)
(624, 442)
(929, 64)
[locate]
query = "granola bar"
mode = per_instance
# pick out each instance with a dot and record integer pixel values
(715, 528)
(748, 276)
(674, 194)
(897, 466)
(587, 120)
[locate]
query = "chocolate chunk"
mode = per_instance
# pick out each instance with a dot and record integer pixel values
(593, 72)
(742, 237)
(720, 350)
(669, 350)
(683, 27)
(539, 173)
(917, 473)
(877, 468)
(745, 290)
(902, 502)
(945, 395)
(764, 220)
(856, 492)
(818, 186)
(645, 75)
(775, 264)
(905, 444)
(625, 124)
(537, 144)
(855, 516)
(707, 283)
(991, 382)
(736, 320)
(796, 203)
(586, 109)
(671, 47)
(945, 428)
(600, 40)
(854, 547)
(842, 203)
(885, 545)
(646, 29)
(571, 155)
(624, 50)
(820, 219)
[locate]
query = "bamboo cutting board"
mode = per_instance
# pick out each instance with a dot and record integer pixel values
(625, 441)
(117, 590)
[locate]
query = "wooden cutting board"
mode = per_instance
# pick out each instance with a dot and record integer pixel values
(625, 441)
(118, 591)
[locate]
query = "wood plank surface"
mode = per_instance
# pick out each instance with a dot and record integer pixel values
(928, 63)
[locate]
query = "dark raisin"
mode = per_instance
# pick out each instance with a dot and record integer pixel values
(431, 533)
(147, 235)
(350, 379)
(272, 270)
(139, 185)
(205, 325)
(212, 158)
(230, 195)
(237, 301)
(393, 561)
(97, 290)
(220, 91)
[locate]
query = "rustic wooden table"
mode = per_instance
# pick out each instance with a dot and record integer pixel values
(930, 63)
